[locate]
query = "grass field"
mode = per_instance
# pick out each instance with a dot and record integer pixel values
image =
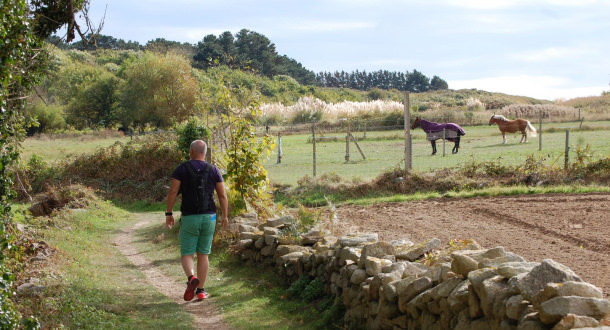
(54, 149)
(385, 150)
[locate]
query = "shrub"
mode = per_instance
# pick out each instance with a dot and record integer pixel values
(137, 170)
(190, 131)
(298, 286)
(375, 94)
(313, 290)
(45, 118)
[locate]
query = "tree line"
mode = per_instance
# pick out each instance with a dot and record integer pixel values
(252, 51)
(415, 81)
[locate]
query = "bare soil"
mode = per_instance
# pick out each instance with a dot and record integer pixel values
(572, 229)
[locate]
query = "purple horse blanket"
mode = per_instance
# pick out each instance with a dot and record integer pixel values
(432, 127)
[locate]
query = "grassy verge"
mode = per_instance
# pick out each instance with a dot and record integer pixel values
(88, 283)
(249, 297)
(318, 197)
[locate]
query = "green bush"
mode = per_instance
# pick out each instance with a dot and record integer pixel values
(298, 286)
(45, 118)
(192, 130)
(313, 290)
(306, 116)
(332, 314)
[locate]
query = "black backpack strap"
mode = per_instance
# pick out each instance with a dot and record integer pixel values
(198, 177)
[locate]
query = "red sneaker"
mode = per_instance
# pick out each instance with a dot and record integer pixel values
(192, 284)
(202, 294)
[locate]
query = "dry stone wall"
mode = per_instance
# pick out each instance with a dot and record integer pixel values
(402, 285)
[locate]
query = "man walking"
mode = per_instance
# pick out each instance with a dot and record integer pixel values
(196, 180)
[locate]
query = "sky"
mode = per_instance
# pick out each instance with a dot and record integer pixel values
(546, 49)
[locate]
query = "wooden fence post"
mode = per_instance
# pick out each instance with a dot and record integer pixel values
(540, 133)
(313, 133)
(407, 127)
(357, 145)
(444, 136)
(567, 158)
(347, 143)
(279, 147)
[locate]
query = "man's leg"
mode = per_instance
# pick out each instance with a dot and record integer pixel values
(203, 264)
(188, 265)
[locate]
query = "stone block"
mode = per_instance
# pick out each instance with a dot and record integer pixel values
(413, 289)
(548, 271)
(512, 269)
(375, 265)
(348, 253)
(246, 228)
(377, 250)
(516, 307)
(286, 249)
(271, 240)
(572, 321)
(358, 239)
(271, 231)
(552, 311)
(417, 251)
(463, 264)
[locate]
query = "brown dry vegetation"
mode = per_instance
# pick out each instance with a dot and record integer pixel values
(138, 170)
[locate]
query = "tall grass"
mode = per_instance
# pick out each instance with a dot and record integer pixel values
(534, 111)
(310, 109)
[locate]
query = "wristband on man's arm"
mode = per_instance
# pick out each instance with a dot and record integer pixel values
(168, 214)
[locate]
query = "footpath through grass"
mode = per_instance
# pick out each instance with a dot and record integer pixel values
(89, 284)
(248, 296)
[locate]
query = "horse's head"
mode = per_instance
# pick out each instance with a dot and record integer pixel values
(415, 123)
(492, 120)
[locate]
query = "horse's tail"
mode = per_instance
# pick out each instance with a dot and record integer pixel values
(531, 129)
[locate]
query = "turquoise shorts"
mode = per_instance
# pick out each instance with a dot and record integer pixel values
(196, 233)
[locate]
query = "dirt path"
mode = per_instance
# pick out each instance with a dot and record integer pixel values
(204, 313)
(572, 229)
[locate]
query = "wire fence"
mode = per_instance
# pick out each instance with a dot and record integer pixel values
(363, 151)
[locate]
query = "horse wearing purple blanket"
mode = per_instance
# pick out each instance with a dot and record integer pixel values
(434, 131)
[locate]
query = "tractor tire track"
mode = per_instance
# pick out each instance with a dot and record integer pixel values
(595, 246)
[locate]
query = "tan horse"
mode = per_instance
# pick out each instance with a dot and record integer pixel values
(512, 126)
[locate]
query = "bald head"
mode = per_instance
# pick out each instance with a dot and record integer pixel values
(198, 149)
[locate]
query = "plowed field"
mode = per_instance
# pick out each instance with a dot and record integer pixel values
(572, 229)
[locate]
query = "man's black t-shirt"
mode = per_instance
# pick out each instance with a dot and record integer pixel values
(214, 176)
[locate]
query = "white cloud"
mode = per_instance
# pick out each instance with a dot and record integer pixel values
(186, 34)
(503, 4)
(547, 54)
(542, 87)
(485, 4)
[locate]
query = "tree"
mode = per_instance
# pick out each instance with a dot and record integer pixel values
(417, 82)
(48, 118)
(209, 51)
(15, 79)
(256, 52)
(244, 152)
(23, 27)
(438, 84)
(164, 46)
(157, 90)
(93, 105)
